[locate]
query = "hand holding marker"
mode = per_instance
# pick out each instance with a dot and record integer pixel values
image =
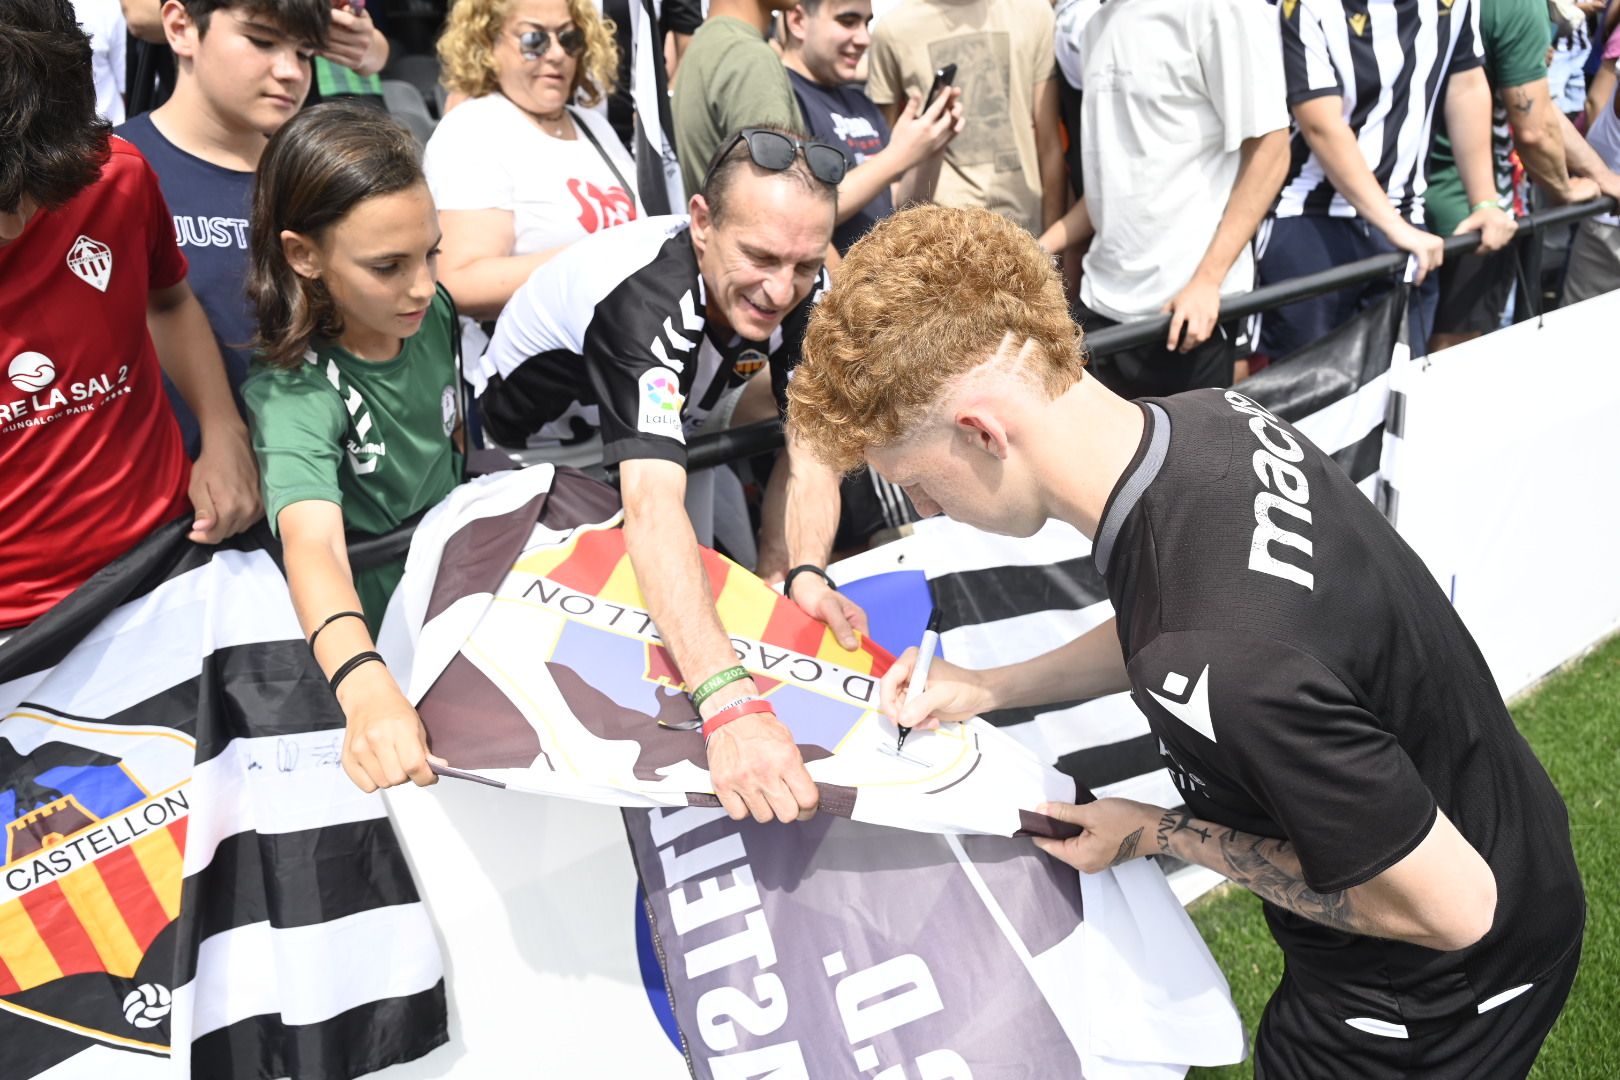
(919, 674)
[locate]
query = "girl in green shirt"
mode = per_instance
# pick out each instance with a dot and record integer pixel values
(354, 395)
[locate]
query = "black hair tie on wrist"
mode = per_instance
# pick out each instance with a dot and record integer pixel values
(351, 663)
(807, 568)
(330, 619)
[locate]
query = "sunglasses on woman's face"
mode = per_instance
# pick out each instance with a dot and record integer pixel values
(774, 151)
(534, 44)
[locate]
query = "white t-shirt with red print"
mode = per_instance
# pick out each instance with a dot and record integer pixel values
(486, 154)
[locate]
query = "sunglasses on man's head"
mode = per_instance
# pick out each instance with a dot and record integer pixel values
(534, 44)
(774, 151)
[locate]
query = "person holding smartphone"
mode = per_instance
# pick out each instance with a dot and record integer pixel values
(355, 53)
(823, 44)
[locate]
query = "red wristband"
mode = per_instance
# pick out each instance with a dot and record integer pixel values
(734, 712)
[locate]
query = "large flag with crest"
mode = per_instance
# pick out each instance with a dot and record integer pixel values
(537, 666)
(192, 887)
(521, 634)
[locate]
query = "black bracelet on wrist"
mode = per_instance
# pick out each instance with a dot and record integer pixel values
(350, 664)
(330, 619)
(807, 568)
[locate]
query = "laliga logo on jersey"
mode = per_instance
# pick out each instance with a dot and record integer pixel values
(660, 405)
(31, 371)
(663, 392)
(91, 262)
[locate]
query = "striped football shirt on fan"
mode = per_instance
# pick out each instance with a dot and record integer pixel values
(658, 173)
(192, 886)
(1387, 60)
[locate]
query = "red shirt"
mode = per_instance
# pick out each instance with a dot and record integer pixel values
(90, 454)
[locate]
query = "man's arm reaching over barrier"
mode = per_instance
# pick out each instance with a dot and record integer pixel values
(753, 762)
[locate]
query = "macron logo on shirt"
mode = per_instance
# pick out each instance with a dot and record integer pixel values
(1194, 712)
(1284, 491)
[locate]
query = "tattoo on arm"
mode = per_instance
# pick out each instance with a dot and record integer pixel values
(1175, 821)
(1518, 101)
(1266, 867)
(1127, 848)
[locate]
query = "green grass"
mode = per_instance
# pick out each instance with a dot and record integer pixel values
(1573, 722)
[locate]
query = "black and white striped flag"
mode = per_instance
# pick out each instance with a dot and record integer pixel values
(1004, 600)
(191, 886)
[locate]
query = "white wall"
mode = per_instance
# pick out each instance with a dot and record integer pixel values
(1509, 479)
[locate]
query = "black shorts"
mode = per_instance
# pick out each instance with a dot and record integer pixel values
(1307, 1036)
(1474, 292)
(1154, 371)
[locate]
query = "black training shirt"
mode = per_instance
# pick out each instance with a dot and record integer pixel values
(1308, 680)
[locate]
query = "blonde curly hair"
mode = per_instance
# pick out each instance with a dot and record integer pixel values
(467, 50)
(928, 295)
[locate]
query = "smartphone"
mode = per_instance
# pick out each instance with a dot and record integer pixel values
(944, 77)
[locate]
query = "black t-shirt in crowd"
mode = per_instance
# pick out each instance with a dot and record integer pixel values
(846, 117)
(1308, 680)
(613, 335)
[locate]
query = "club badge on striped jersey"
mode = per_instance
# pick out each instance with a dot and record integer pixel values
(95, 819)
(750, 362)
(91, 262)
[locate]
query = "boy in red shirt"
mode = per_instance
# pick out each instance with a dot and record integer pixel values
(89, 448)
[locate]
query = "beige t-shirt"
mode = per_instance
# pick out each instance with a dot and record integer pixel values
(1002, 50)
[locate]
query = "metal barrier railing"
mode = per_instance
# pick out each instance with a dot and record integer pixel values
(721, 447)
(765, 436)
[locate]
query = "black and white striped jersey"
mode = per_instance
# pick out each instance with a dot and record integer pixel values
(612, 335)
(1388, 61)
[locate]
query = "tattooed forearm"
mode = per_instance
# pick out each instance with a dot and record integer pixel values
(1270, 869)
(1178, 821)
(1127, 848)
(1266, 867)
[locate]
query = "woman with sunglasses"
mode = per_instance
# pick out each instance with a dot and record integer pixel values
(519, 173)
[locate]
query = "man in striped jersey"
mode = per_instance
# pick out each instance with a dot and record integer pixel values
(1364, 78)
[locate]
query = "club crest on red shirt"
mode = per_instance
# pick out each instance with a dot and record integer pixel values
(91, 261)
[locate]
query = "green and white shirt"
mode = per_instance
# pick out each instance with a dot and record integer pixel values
(372, 436)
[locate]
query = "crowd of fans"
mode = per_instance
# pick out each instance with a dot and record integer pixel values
(347, 307)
